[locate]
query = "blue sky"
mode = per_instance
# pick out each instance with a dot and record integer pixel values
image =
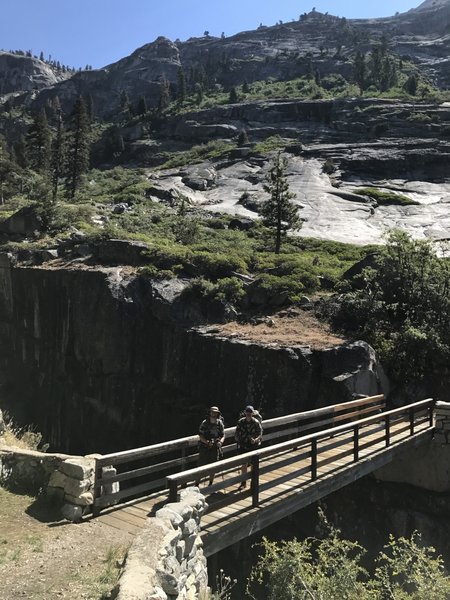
(99, 32)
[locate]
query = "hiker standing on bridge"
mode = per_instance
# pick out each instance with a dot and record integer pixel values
(248, 436)
(211, 435)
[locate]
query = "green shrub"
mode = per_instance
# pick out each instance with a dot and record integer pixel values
(386, 198)
(215, 266)
(167, 258)
(331, 568)
(280, 285)
(229, 289)
(420, 117)
(402, 308)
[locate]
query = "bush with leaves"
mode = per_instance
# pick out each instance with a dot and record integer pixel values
(330, 569)
(402, 308)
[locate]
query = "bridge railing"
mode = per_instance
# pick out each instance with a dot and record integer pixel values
(348, 443)
(141, 471)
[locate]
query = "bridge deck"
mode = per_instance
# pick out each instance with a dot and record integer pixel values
(285, 486)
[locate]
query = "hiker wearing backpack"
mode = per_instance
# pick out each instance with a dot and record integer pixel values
(248, 435)
(211, 435)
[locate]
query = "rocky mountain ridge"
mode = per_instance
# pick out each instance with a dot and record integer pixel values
(283, 52)
(26, 74)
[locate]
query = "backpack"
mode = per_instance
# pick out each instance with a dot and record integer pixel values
(257, 415)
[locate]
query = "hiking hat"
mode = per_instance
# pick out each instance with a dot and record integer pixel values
(214, 409)
(249, 409)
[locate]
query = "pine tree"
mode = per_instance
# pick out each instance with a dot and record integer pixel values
(5, 168)
(58, 158)
(90, 109)
(411, 84)
(124, 101)
(79, 147)
(38, 144)
(181, 86)
(20, 152)
(233, 98)
(243, 138)
(376, 66)
(199, 93)
(360, 71)
(141, 107)
(164, 94)
(279, 212)
(317, 78)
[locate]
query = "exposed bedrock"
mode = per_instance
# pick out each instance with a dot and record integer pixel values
(98, 362)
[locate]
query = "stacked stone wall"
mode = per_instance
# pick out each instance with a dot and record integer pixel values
(166, 561)
(67, 480)
(442, 422)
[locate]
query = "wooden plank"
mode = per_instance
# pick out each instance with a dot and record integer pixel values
(129, 518)
(127, 492)
(179, 478)
(137, 512)
(191, 441)
(142, 471)
(255, 522)
(119, 524)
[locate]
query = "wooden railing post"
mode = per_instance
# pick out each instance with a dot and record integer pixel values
(313, 459)
(173, 491)
(431, 409)
(96, 488)
(356, 443)
(387, 421)
(255, 481)
(411, 421)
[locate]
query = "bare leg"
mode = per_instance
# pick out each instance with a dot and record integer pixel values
(243, 472)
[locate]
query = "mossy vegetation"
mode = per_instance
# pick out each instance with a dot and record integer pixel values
(386, 198)
(198, 153)
(193, 242)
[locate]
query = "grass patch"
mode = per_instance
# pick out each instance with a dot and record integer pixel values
(199, 153)
(386, 198)
(195, 244)
(13, 537)
(25, 438)
(101, 583)
(333, 85)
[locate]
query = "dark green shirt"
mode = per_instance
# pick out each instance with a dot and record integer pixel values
(246, 430)
(211, 431)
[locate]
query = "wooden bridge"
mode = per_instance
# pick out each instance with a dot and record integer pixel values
(305, 457)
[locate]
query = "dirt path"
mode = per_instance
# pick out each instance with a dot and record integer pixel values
(45, 560)
(287, 328)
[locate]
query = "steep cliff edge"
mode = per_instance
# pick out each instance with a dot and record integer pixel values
(96, 361)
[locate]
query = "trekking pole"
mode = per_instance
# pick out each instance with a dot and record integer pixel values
(221, 458)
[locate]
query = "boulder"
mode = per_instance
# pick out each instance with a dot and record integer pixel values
(77, 468)
(241, 223)
(24, 222)
(72, 513)
(122, 252)
(200, 179)
(368, 261)
(197, 132)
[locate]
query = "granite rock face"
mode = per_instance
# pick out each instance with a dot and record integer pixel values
(25, 74)
(283, 51)
(98, 362)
